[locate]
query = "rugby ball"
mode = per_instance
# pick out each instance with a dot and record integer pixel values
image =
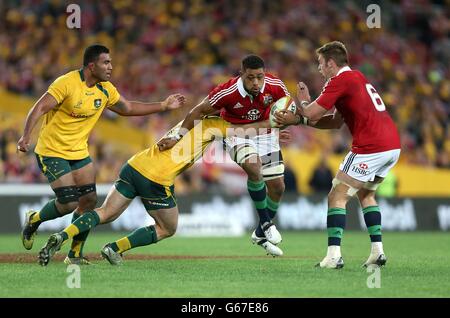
(285, 103)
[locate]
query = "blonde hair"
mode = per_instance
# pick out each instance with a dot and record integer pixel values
(334, 50)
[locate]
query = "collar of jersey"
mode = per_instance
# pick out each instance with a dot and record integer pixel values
(80, 71)
(243, 92)
(344, 69)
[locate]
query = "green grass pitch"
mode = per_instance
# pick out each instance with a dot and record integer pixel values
(418, 266)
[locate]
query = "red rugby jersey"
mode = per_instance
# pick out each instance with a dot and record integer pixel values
(239, 107)
(363, 111)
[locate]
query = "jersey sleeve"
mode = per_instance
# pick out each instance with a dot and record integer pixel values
(331, 92)
(59, 89)
(281, 90)
(217, 97)
(113, 94)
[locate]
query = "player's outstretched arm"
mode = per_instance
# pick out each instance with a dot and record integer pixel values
(46, 103)
(197, 113)
(125, 107)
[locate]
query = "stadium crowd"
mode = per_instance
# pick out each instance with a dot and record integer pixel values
(162, 47)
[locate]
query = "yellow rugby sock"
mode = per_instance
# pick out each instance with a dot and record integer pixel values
(123, 245)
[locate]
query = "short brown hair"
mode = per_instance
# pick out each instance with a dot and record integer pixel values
(334, 50)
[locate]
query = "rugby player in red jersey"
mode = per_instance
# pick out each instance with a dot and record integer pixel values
(241, 100)
(375, 149)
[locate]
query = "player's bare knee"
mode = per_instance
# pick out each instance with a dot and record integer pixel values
(66, 208)
(367, 200)
(337, 198)
(163, 232)
(337, 201)
(170, 231)
(88, 202)
(88, 197)
(253, 170)
(276, 189)
(66, 199)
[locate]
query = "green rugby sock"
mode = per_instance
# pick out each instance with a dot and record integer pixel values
(48, 212)
(335, 225)
(272, 207)
(372, 217)
(258, 193)
(140, 237)
(84, 223)
(76, 250)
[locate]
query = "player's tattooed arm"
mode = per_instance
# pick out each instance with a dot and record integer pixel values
(122, 107)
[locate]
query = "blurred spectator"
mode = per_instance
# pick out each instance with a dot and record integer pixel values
(388, 188)
(290, 180)
(189, 46)
(321, 178)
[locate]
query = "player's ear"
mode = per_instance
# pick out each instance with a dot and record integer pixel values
(91, 66)
(331, 62)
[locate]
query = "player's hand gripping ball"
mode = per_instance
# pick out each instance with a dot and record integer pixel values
(285, 103)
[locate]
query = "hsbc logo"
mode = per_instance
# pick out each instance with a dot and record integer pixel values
(253, 114)
(360, 170)
(363, 166)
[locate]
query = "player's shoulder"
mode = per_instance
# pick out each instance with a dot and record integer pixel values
(232, 82)
(272, 80)
(107, 88)
(107, 85)
(68, 77)
(270, 76)
(225, 88)
(349, 75)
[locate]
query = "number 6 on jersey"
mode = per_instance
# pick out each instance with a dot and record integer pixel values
(376, 98)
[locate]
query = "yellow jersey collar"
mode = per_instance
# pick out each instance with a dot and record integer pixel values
(80, 71)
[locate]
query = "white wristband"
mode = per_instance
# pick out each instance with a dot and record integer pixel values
(302, 120)
(305, 120)
(304, 103)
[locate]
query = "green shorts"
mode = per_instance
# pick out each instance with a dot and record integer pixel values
(154, 196)
(54, 167)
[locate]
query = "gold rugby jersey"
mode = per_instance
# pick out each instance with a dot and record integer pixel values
(66, 128)
(163, 166)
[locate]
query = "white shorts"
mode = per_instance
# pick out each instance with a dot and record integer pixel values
(268, 148)
(365, 167)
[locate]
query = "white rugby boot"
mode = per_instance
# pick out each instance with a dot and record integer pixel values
(270, 248)
(333, 259)
(271, 233)
(377, 256)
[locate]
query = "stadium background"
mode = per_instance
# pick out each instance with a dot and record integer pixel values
(160, 48)
(163, 47)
